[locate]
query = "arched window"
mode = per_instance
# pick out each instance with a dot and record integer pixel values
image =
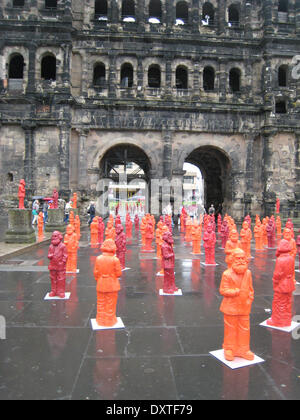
(283, 6)
(155, 11)
(282, 76)
(126, 76)
(208, 14)
(51, 4)
(101, 10)
(280, 107)
(18, 3)
(128, 11)
(99, 75)
(48, 68)
(154, 76)
(235, 80)
(16, 67)
(181, 78)
(208, 79)
(233, 15)
(10, 177)
(182, 13)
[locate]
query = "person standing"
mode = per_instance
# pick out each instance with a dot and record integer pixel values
(35, 211)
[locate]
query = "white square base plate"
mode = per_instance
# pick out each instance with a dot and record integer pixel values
(238, 362)
(285, 329)
(209, 265)
(297, 271)
(97, 327)
(126, 268)
(67, 297)
(178, 293)
(73, 272)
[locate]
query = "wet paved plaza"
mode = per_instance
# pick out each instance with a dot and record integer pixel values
(51, 352)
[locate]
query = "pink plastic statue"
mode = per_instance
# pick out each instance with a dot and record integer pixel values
(224, 233)
(271, 232)
(277, 206)
(121, 244)
(101, 228)
(137, 223)
(209, 240)
(283, 285)
(58, 256)
(237, 289)
(21, 194)
(168, 262)
(298, 246)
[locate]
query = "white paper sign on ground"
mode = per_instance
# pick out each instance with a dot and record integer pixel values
(238, 362)
(97, 327)
(67, 297)
(285, 329)
(178, 293)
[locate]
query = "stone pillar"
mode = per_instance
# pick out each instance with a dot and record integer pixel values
(297, 15)
(297, 171)
(31, 69)
(64, 161)
(221, 10)
(66, 66)
(195, 16)
(170, 15)
(238, 193)
(269, 196)
(248, 195)
(82, 160)
(267, 14)
(196, 85)
(141, 14)
(112, 80)
(248, 28)
(55, 221)
(140, 78)
(168, 87)
(167, 153)
(29, 159)
(20, 230)
(223, 82)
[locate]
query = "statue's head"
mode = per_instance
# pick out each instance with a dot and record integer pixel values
(22, 181)
(284, 247)
(109, 247)
(70, 229)
(119, 229)
(287, 234)
(56, 238)
(239, 261)
(245, 225)
(234, 236)
(167, 237)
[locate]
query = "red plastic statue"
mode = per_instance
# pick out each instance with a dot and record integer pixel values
(121, 244)
(283, 285)
(271, 232)
(298, 246)
(277, 206)
(74, 201)
(55, 199)
(168, 262)
(237, 289)
(21, 194)
(107, 270)
(101, 228)
(136, 222)
(232, 244)
(58, 256)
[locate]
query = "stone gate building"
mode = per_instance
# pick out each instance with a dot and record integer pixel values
(89, 84)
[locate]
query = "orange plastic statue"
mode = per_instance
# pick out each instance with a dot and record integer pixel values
(77, 226)
(196, 237)
(74, 201)
(94, 232)
(283, 285)
(188, 229)
(72, 219)
(110, 231)
(40, 223)
(21, 194)
(246, 236)
(232, 244)
(107, 270)
(237, 289)
(71, 243)
(158, 239)
(258, 235)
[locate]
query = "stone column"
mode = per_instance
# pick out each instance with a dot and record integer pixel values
(141, 15)
(297, 15)
(29, 159)
(64, 161)
(112, 80)
(221, 10)
(195, 16)
(55, 221)
(82, 160)
(31, 69)
(223, 82)
(196, 85)
(66, 66)
(267, 14)
(297, 171)
(167, 153)
(170, 15)
(248, 195)
(168, 86)
(248, 28)
(269, 196)
(140, 78)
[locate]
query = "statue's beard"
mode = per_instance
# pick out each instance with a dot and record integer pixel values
(240, 268)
